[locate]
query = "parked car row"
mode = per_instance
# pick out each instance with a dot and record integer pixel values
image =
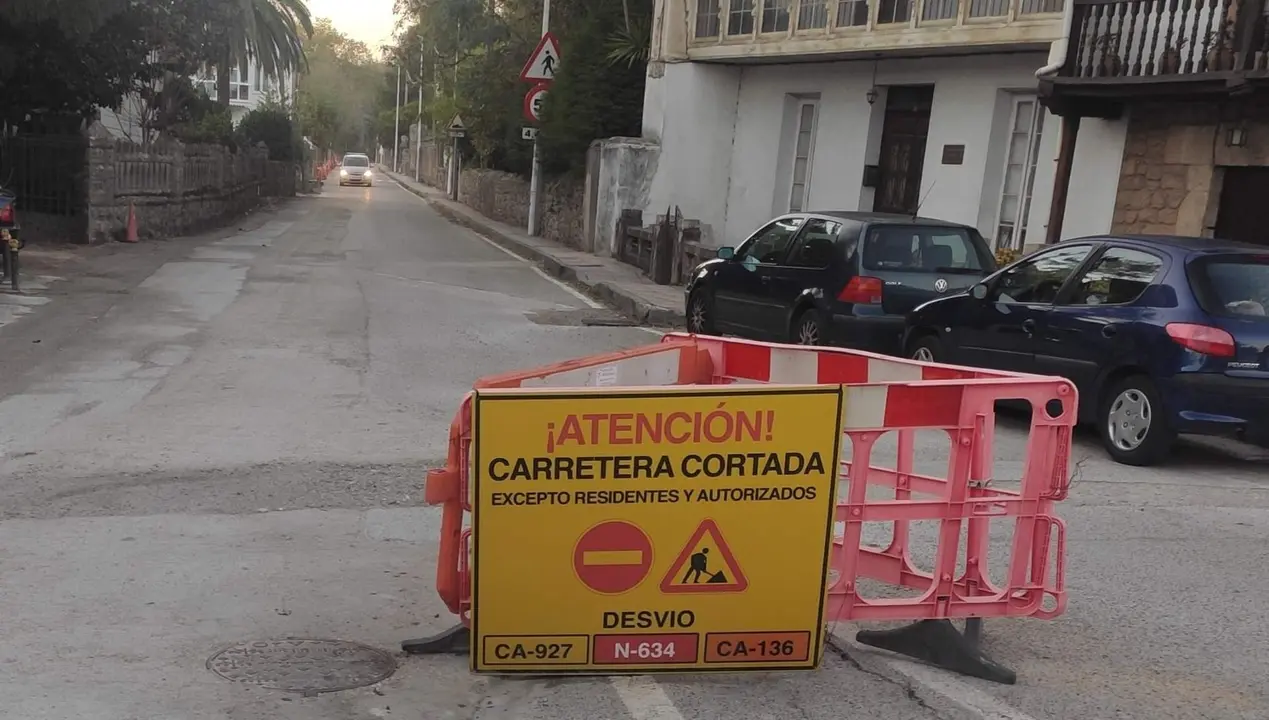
(1161, 335)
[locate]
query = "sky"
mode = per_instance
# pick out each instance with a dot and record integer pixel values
(369, 21)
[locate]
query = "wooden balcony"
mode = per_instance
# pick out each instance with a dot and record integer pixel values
(1135, 48)
(784, 30)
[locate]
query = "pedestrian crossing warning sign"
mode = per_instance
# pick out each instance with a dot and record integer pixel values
(705, 565)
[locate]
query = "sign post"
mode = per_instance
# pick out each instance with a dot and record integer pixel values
(635, 530)
(540, 69)
(457, 131)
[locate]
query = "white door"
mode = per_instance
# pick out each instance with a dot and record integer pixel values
(1026, 122)
(803, 149)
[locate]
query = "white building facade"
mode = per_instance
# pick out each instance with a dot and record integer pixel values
(249, 88)
(761, 107)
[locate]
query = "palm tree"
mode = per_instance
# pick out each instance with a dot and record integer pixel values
(264, 31)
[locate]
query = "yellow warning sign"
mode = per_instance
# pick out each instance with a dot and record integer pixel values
(701, 571)
(668, 529)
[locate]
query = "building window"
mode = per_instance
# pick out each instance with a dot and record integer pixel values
(992, 8)
(894, 11)
(1035, 7)
(804, 147)
(812, 14)
(707, 23)
(1026, 123)
(775, 16)
(740, 17)
(239, 88)
(258, 74)
(852, 13)
(939, 9)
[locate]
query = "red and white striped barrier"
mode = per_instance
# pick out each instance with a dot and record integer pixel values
(882, 395)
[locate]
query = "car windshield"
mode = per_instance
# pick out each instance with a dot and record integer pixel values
(906, 248)
(1232, 285)
(356, 161)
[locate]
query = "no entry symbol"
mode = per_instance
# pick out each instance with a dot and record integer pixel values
(612, 557)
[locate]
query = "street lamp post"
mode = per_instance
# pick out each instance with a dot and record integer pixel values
(396, 127)
(535, 180)
(418, 124)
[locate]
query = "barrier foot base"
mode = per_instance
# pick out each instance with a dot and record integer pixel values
(939, 643)
(454, 641)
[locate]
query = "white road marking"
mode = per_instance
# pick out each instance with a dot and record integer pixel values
(645, 699)
(590, 302)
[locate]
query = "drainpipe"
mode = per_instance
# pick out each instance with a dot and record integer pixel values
(1062, 44)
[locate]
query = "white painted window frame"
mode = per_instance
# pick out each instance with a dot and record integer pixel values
(1029, 163)
(810, 151)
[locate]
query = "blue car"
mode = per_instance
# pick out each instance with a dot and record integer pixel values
(1162, 335)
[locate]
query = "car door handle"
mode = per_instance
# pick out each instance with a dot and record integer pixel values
(1110, 331)
(765, 279)
(1028, 326)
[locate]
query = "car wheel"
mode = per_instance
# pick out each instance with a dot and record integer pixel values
(700, 313)
(1134, 426)
(926, 348)
(808, 328)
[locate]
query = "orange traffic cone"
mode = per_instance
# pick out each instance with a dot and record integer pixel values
(132, 225)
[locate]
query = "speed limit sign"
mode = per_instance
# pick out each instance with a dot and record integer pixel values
(533, 102)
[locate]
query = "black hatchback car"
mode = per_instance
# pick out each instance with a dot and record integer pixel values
(834, 278)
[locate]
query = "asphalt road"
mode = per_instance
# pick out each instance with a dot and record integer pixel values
(222, 439)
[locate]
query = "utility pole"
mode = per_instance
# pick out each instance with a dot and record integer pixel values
(535, 180)
(396, 127)
(418, 123)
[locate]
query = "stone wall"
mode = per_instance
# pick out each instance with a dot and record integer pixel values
(1169, 182)
(175, 188)
(430, 158)
(505, 197)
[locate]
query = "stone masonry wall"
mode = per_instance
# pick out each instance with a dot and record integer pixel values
(505, 197)
(1169, 182)
(175, 188)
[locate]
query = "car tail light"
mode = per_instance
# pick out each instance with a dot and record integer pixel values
(1202, 339)
(862, 290)
(6, 214)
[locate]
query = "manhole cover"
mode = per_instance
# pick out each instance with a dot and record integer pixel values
(303, 665)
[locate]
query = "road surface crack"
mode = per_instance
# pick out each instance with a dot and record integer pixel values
(903, 685)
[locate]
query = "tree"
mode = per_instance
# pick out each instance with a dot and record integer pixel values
(79, 70)
(479, 47)
(264, 31)
(272, 126)
(337, 93)
(73, 18)
(598, 91)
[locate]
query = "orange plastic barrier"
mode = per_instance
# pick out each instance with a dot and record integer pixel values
(884, 395)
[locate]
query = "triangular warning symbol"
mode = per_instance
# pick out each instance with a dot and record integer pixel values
(544, 63)
(705, 565)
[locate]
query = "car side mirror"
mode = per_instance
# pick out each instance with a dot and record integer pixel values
(979, 291)
(726, 253)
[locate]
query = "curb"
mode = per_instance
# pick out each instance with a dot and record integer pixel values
(615, 296)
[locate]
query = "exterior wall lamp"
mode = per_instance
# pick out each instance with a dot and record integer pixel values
(1236, 136)
(871, 95)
